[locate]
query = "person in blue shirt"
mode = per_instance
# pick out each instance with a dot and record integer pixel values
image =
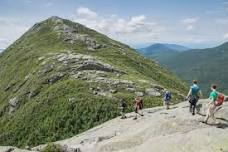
(193, 95)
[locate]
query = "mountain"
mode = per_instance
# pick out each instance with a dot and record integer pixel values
(161, 51)
(1, 50)
(174, 130)
(176, 47)
(61, 78)
(206, 65)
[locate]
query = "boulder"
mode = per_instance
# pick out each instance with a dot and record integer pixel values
(139, 94)
(55, 77)
(33, 93)
(157, 87)
(113, 91)
(13, 104)
(152, 92)
(130, 89)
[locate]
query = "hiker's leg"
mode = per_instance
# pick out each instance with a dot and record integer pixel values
(207, 114)
(193, 107)
(190, 107)
(136, 112)
(122, 114)
(141, 112)
(213, 113)
(167, 106)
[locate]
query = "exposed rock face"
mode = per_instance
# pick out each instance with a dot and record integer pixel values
(139, 94)
(13, 104)
(12, 149)
(72, 35)
(55, 77)
(159, 130)
(33, 93)
(152, 92)
(84, 67)
(47, 68)
(92, 70)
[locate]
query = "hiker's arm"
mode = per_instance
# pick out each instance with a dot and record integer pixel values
(211, 100)
(189, 93)
(200, 93)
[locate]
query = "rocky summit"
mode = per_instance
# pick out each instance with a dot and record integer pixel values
(61, 78)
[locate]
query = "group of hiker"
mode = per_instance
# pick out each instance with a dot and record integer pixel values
(215, 100)
(138, 106)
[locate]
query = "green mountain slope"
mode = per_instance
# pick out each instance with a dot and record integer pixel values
(161, 52)
(206, 65)
(61, 78)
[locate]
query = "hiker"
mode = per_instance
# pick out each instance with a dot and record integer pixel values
(138, 105)
(122, 107)
(193, 96)
(215, 100)
(166, 99)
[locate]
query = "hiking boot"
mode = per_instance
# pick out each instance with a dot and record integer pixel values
(204, 122)
(193, 113)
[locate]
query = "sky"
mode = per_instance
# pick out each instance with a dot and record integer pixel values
(138, 23)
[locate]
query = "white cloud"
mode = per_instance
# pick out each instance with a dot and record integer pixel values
(189, 27)
(189, 23)
(190, 20)
(85, 12)
(225, 36)
(134, 29)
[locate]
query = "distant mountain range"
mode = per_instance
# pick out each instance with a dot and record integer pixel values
(160, 51)
(206, 65)
(1, 50)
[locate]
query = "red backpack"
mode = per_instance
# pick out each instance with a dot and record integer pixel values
(220, 99)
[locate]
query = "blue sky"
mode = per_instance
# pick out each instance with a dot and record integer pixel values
(193, 23)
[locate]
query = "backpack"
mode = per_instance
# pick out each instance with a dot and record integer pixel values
(139, 104)
(220, 99)
(167, 96)
(123, 104)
